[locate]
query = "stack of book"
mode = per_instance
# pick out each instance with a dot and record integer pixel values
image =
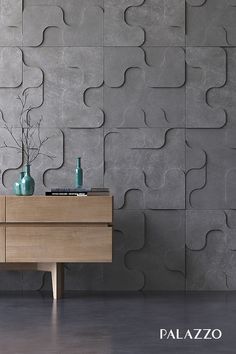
(80, 192)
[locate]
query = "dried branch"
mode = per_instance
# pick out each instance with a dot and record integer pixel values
(29, 142)
(10, 131)
(9, 146)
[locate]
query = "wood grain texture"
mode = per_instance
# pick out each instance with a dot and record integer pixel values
(2, 244)
(58, 243)
(2, 208)
(59, 209)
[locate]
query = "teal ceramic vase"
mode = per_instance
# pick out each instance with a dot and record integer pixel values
(78, 174)
(17, 185)
(27, 182)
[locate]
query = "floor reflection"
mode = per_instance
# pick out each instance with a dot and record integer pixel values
(113, 323)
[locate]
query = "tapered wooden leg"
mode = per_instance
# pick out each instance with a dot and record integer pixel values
(57, 273)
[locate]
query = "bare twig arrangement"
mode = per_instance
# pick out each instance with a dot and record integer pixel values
(29, 142)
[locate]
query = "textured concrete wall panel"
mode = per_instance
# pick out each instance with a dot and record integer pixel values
(144, 92)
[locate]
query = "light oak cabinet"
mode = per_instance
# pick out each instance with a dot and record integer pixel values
(41, 233)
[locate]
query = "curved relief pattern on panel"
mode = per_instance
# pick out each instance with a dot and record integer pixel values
(170, 194)
(230, 228)
(206, 70)
(163, 21)
(63, 23)
(210, 255)
(224, 97)
(196, 2)
(69, 73)
(212, 185)
(212, 267)
(175, 261)
(200, 223)
(89, 63)
(37, 19)
(120, 182)
(219, 31)
(118, 60)
(132, 226)
(196, 171)
(154, 164)
(196, 158)
(117, 32)
(162, 67)
(162, 256)
(135, 105)
(196, 180)
(165, 67)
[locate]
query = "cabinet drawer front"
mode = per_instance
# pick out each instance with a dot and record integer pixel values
(59, 209)
(58, 243)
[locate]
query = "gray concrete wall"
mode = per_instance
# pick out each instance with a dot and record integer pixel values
(144, 91)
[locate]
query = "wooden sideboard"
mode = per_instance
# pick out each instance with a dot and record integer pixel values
(43, 232)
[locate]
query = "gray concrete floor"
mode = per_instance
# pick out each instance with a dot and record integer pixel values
(114, 323)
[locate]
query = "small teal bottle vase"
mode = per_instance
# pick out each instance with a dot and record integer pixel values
(78, 174)
(17, 185)
(27, 182)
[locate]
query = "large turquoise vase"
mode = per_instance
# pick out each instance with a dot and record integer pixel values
(27, 182)
(78, 174)
(17, 185)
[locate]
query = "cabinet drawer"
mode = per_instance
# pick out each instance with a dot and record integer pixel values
(90, 209)
(58, 243)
